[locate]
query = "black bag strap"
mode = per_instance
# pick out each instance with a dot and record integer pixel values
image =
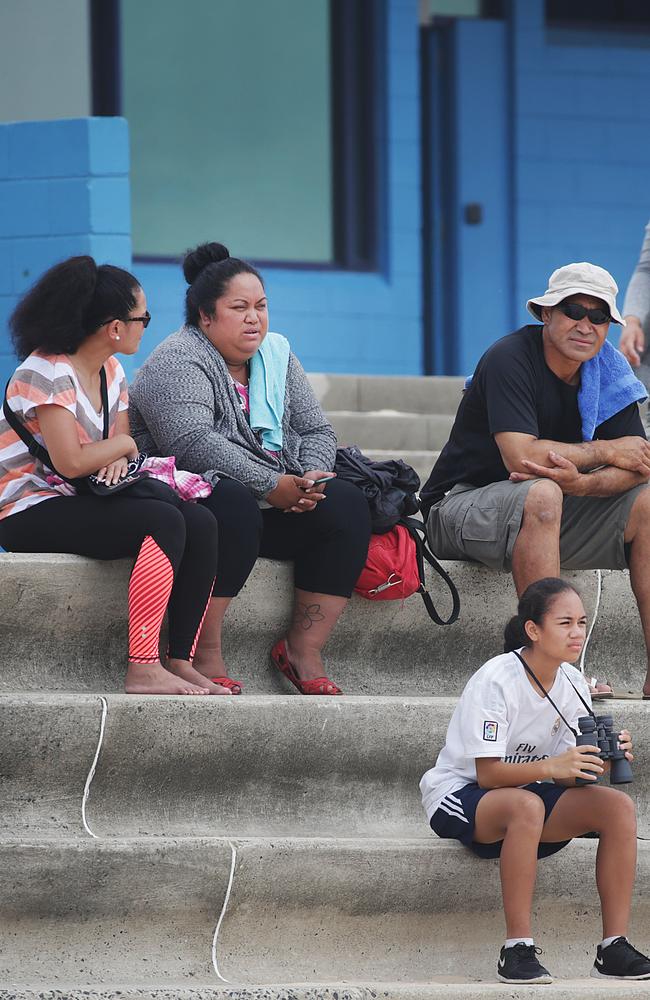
(547, 695)
(417, 532)
(103, 388)
(37, 450)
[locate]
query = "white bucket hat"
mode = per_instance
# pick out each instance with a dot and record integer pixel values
(576, 279)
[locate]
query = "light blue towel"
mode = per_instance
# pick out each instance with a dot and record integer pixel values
(266, 385)
(607, 385)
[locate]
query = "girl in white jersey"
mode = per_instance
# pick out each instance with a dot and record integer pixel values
(504, 783)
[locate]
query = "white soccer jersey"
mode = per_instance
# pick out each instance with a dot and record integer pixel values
(500, 714)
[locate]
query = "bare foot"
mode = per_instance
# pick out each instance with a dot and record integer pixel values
(152, 678)
(185, 670)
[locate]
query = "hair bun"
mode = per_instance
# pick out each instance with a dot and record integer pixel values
(207, 253)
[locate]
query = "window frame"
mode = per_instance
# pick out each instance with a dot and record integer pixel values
(357, 79)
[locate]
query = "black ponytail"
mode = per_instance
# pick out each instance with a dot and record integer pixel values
(208, 270)
(533, 605)
(68, 303)
(514, 634)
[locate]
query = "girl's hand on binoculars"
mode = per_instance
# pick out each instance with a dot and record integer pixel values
(576, 762)
(625, 743)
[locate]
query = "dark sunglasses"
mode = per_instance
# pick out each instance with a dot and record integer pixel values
(575, 311)
(145, 320)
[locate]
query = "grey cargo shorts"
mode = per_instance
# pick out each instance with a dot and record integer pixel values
(482, 524)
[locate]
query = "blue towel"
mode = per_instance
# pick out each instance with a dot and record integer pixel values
(607, 385)
(266, 385)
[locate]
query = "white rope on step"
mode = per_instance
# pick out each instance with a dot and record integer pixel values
(215, 963)
(599, 588)
(93, 766)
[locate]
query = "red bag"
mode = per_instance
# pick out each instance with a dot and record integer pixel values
(395, 568)
(391, 570)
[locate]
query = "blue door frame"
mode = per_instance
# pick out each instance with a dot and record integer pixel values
(467, 192)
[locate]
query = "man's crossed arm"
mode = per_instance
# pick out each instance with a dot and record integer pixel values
(592, 468)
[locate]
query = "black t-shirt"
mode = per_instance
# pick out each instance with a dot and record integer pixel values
(513, 389)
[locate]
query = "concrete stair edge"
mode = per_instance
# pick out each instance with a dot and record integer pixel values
(300, 910)
(374, 645)
(309, 767)
(560, 989)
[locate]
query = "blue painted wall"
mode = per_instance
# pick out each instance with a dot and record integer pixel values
(567, 173)
(582, 147)
(64, 190)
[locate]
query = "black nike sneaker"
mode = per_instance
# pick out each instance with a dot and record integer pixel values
(619, 960)
(519, 965)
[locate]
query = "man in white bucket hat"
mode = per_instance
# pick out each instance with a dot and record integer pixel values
(547, 461)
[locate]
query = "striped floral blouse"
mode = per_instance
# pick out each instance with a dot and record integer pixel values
(43, 380)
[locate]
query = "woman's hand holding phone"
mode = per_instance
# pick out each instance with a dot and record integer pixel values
(319, 478)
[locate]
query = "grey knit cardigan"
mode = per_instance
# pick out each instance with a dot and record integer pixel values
(183, 403)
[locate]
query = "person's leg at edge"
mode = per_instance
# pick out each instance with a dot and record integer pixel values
(240, 530)
(611, 814)
(536, 553)
(195, 575)
(153, 583)
(637, 534)
(208, 659)
(313, 620)
(118, 528)
(329, 546)
(516, 817)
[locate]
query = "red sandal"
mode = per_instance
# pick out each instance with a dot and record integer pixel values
(227, 682)
(317, 685)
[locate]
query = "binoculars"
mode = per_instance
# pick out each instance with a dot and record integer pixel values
(598, 731)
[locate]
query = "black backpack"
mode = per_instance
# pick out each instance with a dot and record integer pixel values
(390, 487)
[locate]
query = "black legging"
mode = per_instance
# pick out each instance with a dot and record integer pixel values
(329, 544)
(176, 551)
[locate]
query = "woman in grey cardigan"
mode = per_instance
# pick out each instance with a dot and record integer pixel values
(231, 402)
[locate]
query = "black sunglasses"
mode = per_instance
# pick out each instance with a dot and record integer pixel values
(573, 310)
(145, 320)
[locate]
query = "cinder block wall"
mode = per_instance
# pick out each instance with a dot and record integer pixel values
(64, 190)
(582, 147)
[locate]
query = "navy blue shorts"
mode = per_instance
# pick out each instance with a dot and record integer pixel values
(454, 817)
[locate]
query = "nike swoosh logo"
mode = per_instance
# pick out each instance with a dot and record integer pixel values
(599, 961)
(501, 964)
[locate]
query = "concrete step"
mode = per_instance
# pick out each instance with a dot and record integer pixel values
(442, 988)
(417, 394)
(421, 461)
(240, 767)
(64, 627)
(390, 430)
(300, 911)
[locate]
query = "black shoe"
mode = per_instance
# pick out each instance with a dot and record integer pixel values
(519, 965)
(619, 960)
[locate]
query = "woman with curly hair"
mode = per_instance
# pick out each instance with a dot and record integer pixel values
(70, 394)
